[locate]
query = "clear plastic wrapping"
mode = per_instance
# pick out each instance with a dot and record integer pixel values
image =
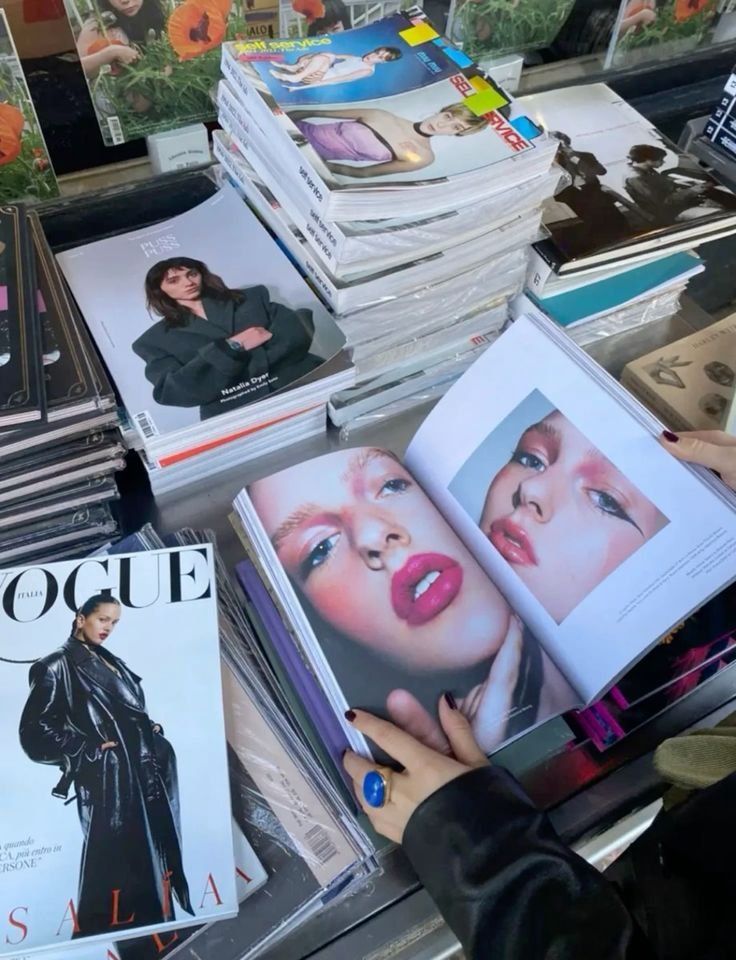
(627, 318)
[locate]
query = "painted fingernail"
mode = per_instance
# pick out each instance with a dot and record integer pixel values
(670, 436)
(450, 700)
(350, 715)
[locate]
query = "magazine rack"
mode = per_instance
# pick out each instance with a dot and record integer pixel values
(586, 791)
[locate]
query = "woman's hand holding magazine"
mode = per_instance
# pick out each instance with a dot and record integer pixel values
(486, 706)
(708, 448)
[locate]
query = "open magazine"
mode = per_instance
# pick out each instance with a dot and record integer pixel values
(535, 529)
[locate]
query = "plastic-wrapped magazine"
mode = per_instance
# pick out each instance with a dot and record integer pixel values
(493, 27)
(697, 650)
(648, 30)
(194, 330)
(150, 66)
(96, 657)
(83, 494)
(31, 539)
(308, 843)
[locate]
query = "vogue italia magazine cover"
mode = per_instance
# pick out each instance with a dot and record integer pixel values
(199, 315)
(107, 832)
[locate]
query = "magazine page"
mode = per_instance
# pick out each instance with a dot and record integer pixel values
(626, 181)
(25, 166)
(107, 831)
(199, 314)
(397, 608)
(598, 537)
(150, 64)
(650, 30)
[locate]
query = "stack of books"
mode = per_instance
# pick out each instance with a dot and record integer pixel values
(404, 183)
(624, 220)
(60, 445)
(219, 349)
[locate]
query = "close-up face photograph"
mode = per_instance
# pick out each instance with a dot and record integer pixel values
(375, 560)
(559, 512)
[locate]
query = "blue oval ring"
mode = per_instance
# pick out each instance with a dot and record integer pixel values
(374, 788)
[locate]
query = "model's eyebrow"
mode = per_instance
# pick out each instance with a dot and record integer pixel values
(302, 513)
(361, 459)
(546, 429)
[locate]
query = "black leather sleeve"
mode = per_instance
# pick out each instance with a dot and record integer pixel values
(505, 883)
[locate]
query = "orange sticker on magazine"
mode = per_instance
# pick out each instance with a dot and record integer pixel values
(420, 33)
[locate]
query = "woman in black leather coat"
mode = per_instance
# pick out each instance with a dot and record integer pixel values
(504, 881)
(86, 714)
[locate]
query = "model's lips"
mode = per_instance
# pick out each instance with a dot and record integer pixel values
(512, 543)
(424, 587)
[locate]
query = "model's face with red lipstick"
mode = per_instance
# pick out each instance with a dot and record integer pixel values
(378, 562)
(563, 516)
(97, 626)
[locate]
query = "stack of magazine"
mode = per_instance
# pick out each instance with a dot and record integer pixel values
(403, 181)
(630, 206)
(59, 440)
(218, 347)
(534, 521)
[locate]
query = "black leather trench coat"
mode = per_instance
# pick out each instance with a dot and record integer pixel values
(511, 890)
(194, 365)
(127, 796)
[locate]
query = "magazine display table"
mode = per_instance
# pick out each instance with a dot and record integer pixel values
(586, 791)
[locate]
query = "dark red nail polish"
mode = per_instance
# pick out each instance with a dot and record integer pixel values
(450, 700)
(350, 715)
(670, 436)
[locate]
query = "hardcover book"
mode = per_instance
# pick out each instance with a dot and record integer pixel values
(689, 383)
(21, 388)
(108, 830)
(71, 383)
(629, 191)
(541, 535)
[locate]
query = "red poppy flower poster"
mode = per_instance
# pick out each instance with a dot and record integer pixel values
(25, 168)
(648, 30)
(150, 64)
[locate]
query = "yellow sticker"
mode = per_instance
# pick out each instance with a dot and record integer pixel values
(419, 33)
(485, 102)
(480, 84)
